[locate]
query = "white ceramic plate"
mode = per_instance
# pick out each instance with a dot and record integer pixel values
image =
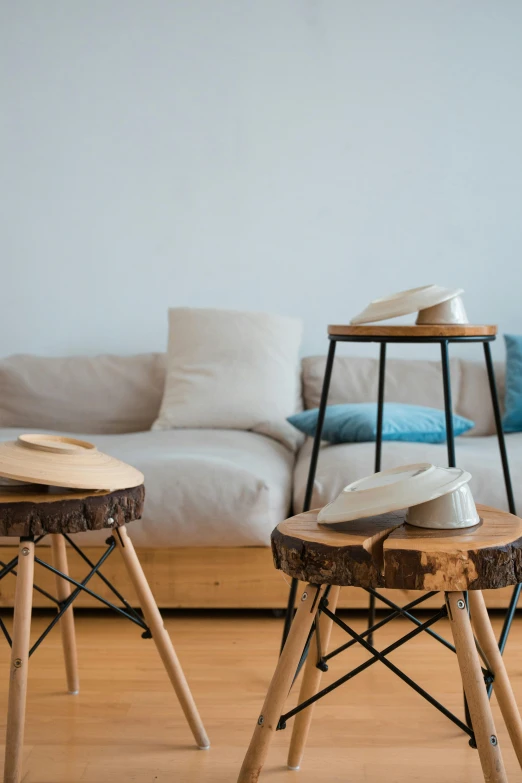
(405, 302)
(391, 490)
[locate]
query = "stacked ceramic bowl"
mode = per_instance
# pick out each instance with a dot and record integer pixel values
(434, 304)
(434, 497)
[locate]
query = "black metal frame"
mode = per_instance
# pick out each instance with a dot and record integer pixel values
(381, 655)
(128, 612)
(450, 440)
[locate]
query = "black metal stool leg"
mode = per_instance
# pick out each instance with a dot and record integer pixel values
(289, 615)
(509, 487)
(508, 620)
(380, 407)
(448, 405)
(498, 426)
(450, 441)
(378, 453)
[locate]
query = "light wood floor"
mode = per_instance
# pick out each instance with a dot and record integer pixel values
(126, 727)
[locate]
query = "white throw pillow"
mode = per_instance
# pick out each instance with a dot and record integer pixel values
(232, 370)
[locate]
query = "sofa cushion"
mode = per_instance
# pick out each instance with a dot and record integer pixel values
(98, 394)
(341, 464)
(355, 378)
(203, 487)
(231, 370)
(474, 399)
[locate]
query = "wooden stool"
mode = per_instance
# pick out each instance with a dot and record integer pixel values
(384, 552)
(32, 515)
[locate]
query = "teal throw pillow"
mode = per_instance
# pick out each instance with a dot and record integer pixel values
(512, 421)
(357, 422)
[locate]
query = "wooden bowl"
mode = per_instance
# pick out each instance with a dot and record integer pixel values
(64, 462)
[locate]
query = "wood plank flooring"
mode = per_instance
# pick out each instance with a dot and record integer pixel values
(126, 726)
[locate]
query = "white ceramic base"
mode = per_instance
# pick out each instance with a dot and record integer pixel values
(450, 312)
(455, 510)
(390, 490)
(405, 302)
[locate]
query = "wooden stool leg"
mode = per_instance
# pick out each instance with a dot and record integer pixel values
(280, 685)
(19, 664)
(310, 685)
(475, 690)
(160, 636)
(63, 591)
(501, 684)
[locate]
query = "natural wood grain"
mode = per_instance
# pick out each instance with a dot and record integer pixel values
(473, 681)
(61, 461)
(57, 444)
(412, 330)
(310, 685)
(63, 591)
(161, 637)
(32, 514)
(200, 577)
(495, 662)
(384, 552)
(488, 555)
(19, 665)
(349, 553)
(280, 685)
(125, 727)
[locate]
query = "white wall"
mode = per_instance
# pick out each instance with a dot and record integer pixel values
(298, 156)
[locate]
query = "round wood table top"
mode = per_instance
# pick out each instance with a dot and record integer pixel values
(383, 551)
(34, 510)
(412, 330)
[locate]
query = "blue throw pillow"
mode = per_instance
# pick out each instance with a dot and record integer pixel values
(512, 421)
(357, 422)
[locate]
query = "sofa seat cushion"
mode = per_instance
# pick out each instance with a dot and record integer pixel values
(343, 463)
(203, 487)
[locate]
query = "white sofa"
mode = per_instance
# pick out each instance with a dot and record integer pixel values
(205, 487)
(214, 496)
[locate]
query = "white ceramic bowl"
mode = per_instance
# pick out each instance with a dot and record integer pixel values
(455, 510)
(449, 312)
(405, 302)
(390, 490)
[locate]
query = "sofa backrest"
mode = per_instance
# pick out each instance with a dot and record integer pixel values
(474, 400)
(115, 394)
(87, 395)
(413, 381)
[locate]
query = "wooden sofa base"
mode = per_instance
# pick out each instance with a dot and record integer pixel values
(200, 578)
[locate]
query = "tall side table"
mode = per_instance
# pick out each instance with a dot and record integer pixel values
(443, 335)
